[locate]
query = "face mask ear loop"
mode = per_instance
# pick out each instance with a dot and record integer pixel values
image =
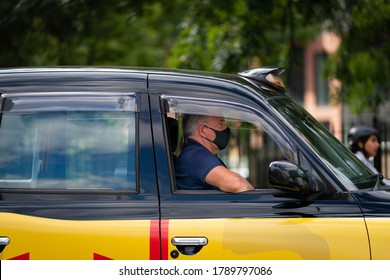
(206, 137)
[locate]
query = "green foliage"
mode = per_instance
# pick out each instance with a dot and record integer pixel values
(226, 36)
(86, 32)
(362, 62)
(205, 46)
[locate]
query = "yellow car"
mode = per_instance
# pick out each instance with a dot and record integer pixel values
(87, 171)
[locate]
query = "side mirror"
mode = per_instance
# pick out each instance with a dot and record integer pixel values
(291, 178)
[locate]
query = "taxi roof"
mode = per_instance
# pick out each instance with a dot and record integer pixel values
(33, 79)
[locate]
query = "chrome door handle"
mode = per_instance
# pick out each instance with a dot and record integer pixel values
(4, 241)
(189, 241)
(188, 245)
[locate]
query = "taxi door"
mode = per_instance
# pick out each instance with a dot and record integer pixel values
(259, 224)
(73, 185)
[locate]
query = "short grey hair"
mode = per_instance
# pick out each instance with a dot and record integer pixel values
(191, 123)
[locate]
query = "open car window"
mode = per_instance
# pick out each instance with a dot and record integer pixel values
(254, 141)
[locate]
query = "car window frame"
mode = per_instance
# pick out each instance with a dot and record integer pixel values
(167, 102)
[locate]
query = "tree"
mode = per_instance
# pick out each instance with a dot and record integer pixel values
(84, 32)
(229, 35)
(226, 36)
(362, 62)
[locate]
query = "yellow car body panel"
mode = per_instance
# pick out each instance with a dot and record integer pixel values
(379, 232)
(276, 239)
(43, 238)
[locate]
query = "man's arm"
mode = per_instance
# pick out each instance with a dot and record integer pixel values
(227, 180)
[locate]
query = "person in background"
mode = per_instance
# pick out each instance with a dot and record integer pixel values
(364, 143)
(198, 167)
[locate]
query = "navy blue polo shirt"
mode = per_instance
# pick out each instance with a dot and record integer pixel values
(193, 165)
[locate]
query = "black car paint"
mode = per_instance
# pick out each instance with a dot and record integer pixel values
(157, 197)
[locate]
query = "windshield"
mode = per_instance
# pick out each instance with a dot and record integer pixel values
(336, 155)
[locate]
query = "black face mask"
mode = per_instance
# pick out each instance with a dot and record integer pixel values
(221, 137)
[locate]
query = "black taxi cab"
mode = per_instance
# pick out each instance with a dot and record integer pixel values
(87, 171)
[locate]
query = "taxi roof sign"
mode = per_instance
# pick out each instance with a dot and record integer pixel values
(266, 77)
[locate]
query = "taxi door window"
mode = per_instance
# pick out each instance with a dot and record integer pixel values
(254, 142)
(77, 143)
(250, 152)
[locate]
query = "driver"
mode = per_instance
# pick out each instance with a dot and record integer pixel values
(198, 167)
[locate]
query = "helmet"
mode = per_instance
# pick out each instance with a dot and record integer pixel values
(359, 132)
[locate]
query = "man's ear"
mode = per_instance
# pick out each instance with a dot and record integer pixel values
(360, 144)
(201, 130)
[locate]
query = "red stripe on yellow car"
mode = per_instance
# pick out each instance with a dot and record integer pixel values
(159, 231)
(99, 257)
(164, 239)
(154, 248)
(25, 256)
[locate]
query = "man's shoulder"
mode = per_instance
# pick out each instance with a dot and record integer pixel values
(194, 154)
(192, 146)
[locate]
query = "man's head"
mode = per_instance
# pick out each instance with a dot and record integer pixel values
(213, 129)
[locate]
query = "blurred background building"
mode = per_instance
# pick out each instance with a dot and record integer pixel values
(314, 91)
